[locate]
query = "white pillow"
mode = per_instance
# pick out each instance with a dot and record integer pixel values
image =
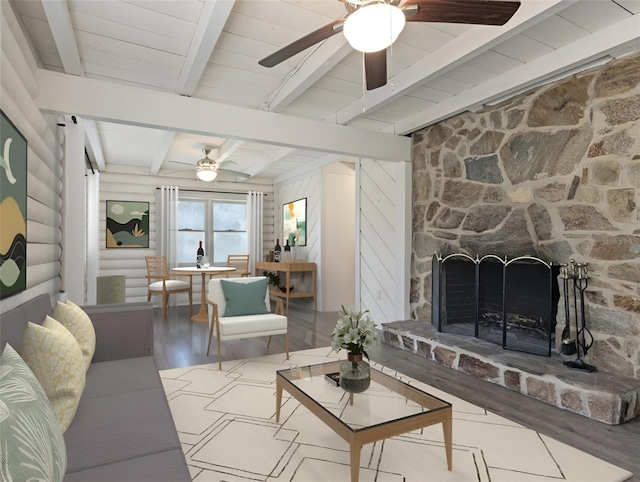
(74, 319)
(55, 358)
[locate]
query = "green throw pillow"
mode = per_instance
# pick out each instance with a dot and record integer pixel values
(32, 446)
(245, 298)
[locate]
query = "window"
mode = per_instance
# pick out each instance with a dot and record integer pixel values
(221, 225)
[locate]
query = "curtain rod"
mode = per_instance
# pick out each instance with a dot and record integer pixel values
(214, 191)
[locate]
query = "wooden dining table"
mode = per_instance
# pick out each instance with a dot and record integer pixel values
(202, 315)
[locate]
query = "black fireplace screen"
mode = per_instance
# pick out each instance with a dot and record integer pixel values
(474, 297)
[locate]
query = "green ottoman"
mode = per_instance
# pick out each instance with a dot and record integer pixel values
(110, 289)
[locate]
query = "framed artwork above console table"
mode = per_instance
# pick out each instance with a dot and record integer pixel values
(294, 222)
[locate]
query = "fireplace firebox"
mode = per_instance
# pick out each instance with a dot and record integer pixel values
(512, 303)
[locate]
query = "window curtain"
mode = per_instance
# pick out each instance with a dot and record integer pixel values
(254, 228)
(167, 226)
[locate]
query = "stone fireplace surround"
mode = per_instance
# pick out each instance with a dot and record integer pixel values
(553, 173)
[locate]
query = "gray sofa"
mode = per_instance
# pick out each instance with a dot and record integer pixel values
(123, 429)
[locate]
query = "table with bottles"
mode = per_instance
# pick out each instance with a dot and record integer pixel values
(288, 267)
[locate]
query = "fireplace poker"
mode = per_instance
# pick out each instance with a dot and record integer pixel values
(574, 273)
(582, 281)
(568, 346)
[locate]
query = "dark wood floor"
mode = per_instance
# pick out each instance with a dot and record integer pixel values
(180, 342)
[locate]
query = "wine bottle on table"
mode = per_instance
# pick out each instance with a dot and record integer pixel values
(199, 256)
(276, 251)
(286, 256)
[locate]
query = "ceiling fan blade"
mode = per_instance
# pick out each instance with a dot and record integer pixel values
(482, 12)
(303, 43)
(375, 69)
(162, 173)
(183, 163)
(243, 175)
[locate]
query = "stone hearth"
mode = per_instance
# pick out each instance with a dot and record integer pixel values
(602, 396)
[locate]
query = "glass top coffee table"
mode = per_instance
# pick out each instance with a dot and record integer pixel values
(389, 407)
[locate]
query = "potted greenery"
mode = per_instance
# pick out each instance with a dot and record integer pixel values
(274, 278)
(354, 331)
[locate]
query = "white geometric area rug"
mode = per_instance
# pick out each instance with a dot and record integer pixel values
(226, 423)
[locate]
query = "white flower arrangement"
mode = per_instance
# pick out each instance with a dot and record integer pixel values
(354, 331)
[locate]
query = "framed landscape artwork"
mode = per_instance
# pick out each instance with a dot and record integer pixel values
(13, 209)
(127, 224)
(294, 222)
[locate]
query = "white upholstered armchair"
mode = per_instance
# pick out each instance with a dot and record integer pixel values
(241, 308)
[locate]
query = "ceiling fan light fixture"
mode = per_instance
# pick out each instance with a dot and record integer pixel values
(374, 27)
(206, 171)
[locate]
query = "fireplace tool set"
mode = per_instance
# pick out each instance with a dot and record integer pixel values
(583, 338)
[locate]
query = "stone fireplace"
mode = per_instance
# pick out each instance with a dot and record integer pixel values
(553, 173)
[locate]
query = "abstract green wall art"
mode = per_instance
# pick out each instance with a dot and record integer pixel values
(127, 224)
(294, 222)
(13, 209)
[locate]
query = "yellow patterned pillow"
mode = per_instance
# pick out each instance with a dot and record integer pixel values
(54, 356)
(74, 319)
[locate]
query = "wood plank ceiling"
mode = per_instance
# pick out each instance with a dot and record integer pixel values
(209, 50)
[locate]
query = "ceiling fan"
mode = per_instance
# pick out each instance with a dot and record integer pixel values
(207, 169)
(371, 26)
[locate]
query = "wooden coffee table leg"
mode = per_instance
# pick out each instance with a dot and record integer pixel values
(355, 449)
(447, 429)
(278, 400)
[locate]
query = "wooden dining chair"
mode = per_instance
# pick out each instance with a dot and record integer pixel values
(160, 282)
(240, 262)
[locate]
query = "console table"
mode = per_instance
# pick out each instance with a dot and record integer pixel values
(288, 268)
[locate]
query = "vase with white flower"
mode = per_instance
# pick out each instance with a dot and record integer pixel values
(355, 332)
